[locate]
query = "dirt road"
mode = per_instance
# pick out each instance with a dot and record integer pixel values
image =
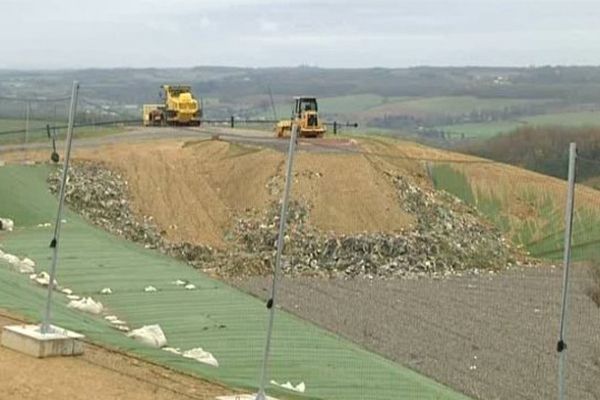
(491, 337)
(99, 374)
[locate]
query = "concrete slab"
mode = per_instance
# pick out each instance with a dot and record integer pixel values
(29, 340)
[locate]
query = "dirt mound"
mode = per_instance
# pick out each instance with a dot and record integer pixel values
(448, 237)
(194, 190)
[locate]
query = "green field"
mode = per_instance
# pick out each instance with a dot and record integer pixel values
(217, 317)
(452, 105)
(484, 130)
(38, 132)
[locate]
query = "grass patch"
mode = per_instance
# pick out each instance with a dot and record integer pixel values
(490, 129)
(542, 232)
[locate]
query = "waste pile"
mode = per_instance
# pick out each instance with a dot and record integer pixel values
(448, 236)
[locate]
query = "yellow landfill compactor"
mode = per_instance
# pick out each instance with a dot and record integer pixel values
(306, 115)
(180, 108)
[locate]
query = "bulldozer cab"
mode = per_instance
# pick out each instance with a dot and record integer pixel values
(305, 104)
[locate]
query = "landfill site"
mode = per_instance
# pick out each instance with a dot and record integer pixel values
(388, 285)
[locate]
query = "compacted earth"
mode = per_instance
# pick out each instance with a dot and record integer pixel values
(489, 336)
(98, 374)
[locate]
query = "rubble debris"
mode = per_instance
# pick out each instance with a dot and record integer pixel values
(448, 238)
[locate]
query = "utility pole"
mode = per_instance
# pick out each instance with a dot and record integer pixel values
(562, 344)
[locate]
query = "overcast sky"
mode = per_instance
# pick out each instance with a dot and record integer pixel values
(326, 33)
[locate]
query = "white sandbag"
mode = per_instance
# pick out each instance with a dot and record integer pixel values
(43, 279)
(28, 261)
(6, 224)
(174, 350)
(106, 290)
(179, 282)
(25, 266)
(66, 291)
(122, 328)
(300, 388)
(87, 304)
(150, 289)
(150, 335)
(111, 317)
(190, 286)
(202, 356)
(73, 297)
(44, 225)
(10, 258)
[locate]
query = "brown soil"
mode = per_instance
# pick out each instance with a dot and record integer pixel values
(98, 374)
(194, 189)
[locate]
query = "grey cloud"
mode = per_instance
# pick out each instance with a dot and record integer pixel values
(140, 33)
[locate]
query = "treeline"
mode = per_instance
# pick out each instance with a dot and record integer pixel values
(135, 86)
(544, 149)
(433, 121)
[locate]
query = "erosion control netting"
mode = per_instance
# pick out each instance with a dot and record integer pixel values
(150, 288)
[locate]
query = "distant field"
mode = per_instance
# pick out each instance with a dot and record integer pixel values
(368, 106)
(489, 129)
(38, 133)
(10, 124)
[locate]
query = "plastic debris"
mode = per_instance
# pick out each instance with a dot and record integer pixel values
(202, 356)
(44, 225)
(6, 224)
(73, 297)
(190, 286)
(150, 289)
(87, 304)
(179, 282)
(106, 291)
(300, 388)
(150, 335)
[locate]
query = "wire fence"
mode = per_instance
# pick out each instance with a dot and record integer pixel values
(406, 272)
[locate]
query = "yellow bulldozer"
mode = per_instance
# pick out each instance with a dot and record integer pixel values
(179, 108)
(305, 114)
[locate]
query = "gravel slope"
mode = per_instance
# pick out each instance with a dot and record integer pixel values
(490, 336)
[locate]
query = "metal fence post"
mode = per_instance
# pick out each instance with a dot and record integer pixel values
(232, 122)
(45, 328)
(280, 242)
(562, 345)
